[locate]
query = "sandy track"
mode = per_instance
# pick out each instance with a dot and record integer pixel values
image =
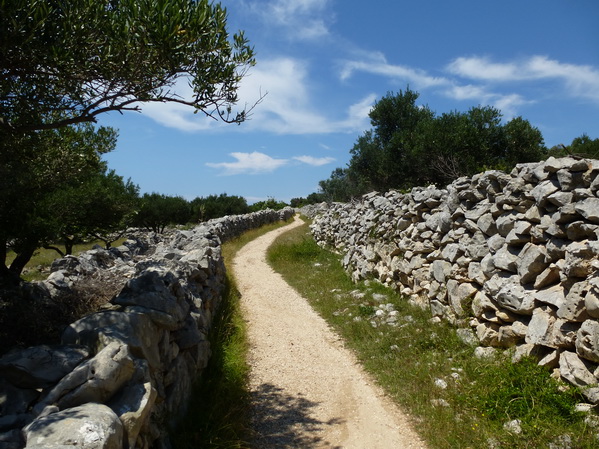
(307, 389)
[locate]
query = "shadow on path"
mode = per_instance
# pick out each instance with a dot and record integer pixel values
(282, 421)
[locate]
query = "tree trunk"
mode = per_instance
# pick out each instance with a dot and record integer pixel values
(7, 277)
(56, 249)
(17, 265)
(68, 245)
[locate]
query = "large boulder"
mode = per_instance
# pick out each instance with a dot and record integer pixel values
(133, 327)
(133, 405)
(89, 426)
(93, 381)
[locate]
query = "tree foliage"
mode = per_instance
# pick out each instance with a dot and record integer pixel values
(37, 170)
(67, 61)
(313, 198)
(157, 211)
(215, 206)
(582, 146)
(340, 186)
(101, 206)
(410, 145)
(270, 203)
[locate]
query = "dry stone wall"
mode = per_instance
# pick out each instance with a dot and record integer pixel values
(511, 257)
(123, 374)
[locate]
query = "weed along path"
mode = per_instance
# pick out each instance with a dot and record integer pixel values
(307, 389)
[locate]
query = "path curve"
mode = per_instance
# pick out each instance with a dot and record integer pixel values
(307, 389)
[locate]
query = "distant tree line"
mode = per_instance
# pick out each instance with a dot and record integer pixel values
(410, 145)
(157, 211)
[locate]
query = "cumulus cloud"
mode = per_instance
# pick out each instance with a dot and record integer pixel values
(249, 163)
(315, 161)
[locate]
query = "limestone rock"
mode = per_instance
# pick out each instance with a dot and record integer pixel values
(41, 366)
(13, 400)
(488, 334)
(467, 336)
(549, 276)
(90, 426)
(533, 260)
(134, 328)
(510, 294)
(543, 190)
(573, 308)
(133, 407)
(93, 381)
(589, 209)
(155, 289)
(552, 295)
(581, 259)
(460, 295)
(540, 328)
(587, 341)
(574, 370)
(506, 259)
(591, 299)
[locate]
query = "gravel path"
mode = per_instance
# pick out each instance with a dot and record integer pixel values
(308, 391)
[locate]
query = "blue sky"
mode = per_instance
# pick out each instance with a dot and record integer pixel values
(323, 63)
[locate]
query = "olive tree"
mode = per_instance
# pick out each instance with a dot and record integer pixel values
(68, 61)
(34, 169)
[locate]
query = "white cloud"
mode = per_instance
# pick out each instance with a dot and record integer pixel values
(377, 64)
(249, 163)
(315, 161)
(357, 114)
(288, 108)
(506, 103)
(580, 80)
(302, 19)
(481, 68)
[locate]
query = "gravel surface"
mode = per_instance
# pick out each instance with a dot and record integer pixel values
(308, 391)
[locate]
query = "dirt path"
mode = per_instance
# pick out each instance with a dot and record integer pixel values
(308, 391)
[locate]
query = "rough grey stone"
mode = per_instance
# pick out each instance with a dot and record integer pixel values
(540, 329)
(589, 209)
(587, 341)
(575, 371)
(133, 407)
(533, 260)
(41, 366)
(92, 426)
(93, 381)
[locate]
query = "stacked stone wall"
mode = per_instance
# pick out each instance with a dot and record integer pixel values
(513, 257)
(124, 374)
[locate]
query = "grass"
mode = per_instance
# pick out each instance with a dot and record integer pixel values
(218, 416)
(455, 400)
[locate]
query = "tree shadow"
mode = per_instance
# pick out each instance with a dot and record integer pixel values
(280, 420)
